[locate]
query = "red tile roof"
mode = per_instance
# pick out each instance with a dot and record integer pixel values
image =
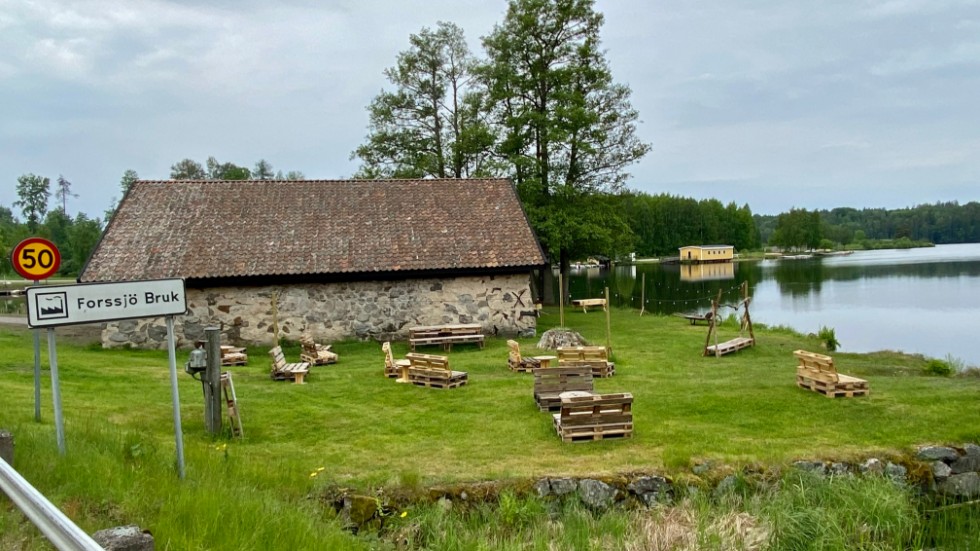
(223, 229)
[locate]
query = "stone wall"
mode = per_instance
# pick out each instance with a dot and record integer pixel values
(379, 310)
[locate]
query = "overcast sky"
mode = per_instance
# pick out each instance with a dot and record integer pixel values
(777, 104)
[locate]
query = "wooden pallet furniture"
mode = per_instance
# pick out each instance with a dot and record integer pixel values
(316, 354)
(551, 382)
(233, 355)
(738, 343)
(433, 371)
(816, 372)
(445, 335)
(525, 364)
(394, 368)
(586, 302)
(596, 357)
(595, 417)
(281, 370)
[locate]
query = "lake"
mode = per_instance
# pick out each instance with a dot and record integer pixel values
(923, 301)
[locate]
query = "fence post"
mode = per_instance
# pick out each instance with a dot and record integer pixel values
(212, 381)
(7, 446)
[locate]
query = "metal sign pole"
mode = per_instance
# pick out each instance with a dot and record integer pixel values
(37, 370)
(59, 423)
(178, 433)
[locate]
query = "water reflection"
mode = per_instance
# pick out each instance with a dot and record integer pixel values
(920, 300)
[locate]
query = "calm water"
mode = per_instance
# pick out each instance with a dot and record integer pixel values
(920, 300)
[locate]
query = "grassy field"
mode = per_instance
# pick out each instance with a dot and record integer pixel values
(351, 427)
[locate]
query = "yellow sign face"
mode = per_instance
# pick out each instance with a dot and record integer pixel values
(35, 258)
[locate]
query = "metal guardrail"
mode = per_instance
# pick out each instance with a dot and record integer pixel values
(58, 528)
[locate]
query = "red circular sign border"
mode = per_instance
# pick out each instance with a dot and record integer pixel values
(29, 241)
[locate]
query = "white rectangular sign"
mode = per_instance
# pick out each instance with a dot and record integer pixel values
(52, 305)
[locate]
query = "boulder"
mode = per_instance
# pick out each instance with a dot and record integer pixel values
(596, 494)
(124, 538)
(966, 485)
(938, 453)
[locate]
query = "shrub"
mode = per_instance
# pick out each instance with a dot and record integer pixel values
(938, 367)
(829, 338)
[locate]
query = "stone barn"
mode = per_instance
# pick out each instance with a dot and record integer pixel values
(335, 259)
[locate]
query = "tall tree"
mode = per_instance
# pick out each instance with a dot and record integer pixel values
(127, 180)
(63, 192)
(569, 131)
(226, 171)
(430, 125)
(263, 171)
(187, 169)
(34, 192)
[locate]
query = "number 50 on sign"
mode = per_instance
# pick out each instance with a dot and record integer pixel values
(35, 258)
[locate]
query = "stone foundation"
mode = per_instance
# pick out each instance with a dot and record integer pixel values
(379, 310)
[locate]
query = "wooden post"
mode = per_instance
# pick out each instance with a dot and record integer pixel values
(275, 318)
(212, 381)
(643, 293)
(7, 447)
(746, 299)
(608, 324)
(561, 301)
(711, 326)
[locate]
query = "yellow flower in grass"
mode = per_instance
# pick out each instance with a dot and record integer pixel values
(316, 472)
(404, 514)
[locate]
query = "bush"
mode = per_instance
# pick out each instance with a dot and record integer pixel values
(938, 367)
(829, 338)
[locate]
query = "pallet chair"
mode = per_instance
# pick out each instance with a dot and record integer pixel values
(816, 372)
(394, 368)
(316, 354)
(518, 363)
(282, 370)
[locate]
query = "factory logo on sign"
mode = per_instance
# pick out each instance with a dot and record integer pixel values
(51, 306)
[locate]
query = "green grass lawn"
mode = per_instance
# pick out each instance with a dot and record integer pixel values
(349, 426)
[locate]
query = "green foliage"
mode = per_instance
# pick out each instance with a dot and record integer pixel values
(797, 229)
(33, 192)
(187, 169)
(828, 337)
(938, 367)
(431, 124)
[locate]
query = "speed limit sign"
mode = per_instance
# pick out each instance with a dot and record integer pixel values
(35, 258)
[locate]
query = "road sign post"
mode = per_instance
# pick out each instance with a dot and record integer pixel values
(54, 305)
(36, 258)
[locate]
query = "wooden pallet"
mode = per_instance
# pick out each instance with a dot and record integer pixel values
(727, 347)
(589, 434)
(551, 382)
(595, 417)
(420, 377)
(596, 357)
(834, 390)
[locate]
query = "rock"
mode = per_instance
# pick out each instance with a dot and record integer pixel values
(726, 485)
(358, 510)
(701, 468)
(873, 466)
(563, 486)
(815, 467)
(966, 485)
(940, 470)
(839, 469)
(651, 489)
(938, 453)
(596, 494)
(896, 472)
(552, 339)
(124, 538)
(969, 462)
(543, 487)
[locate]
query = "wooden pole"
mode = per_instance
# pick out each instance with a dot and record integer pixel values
(746, 299)
(561, 301)
(711, 326)
(643, 293)
(608, 324)
(212, 380)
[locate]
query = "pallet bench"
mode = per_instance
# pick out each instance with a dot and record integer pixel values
(433, 371)
(551, 382)
(816, 372)
(446, 335)
(282, 370)
(595, 417)
(596, 357)
(524, 364)
(316, 354)
(394, 369)
(586, 302)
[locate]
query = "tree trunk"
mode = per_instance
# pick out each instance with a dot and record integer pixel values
(564, 266)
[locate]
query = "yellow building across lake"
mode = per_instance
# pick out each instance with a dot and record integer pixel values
(707, 253)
